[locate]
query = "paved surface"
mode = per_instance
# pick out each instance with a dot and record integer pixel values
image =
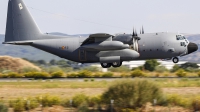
(82, 79)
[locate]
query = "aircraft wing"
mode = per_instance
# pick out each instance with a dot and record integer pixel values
(98, 37)
(102, 42)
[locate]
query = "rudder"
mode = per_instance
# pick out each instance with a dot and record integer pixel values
(20, 24)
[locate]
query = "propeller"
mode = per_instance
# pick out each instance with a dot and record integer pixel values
(135, 39)
(135, 35)
(142, 30)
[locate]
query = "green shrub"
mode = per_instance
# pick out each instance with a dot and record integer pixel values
(79, 99)
(150, 65)
(72, 75)
(28, 69)
(18, 105)
(58, 74)
(83, 107)
(48, 101)
(3, 108)
(93, 101)
(66, 103)
(97, 75)
(92, 69)
(198, 74)
(137, 73)
(107, 75)
(119, 69)
(132, 93)
(177, 100)
(127, 110)
(86, 80)
(196, 104)
(161, 69)
(125, 75)
(32, 103)
(37, 75)
(84, 74)
(181, 73)
(52, 69)
(1, 75)
(175, 68)
(14, 75)
(92, 80)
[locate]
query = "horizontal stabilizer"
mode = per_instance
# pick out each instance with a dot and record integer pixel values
(19, 43)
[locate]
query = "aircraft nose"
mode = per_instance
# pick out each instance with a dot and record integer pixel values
(192, 47)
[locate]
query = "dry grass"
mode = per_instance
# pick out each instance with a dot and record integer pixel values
(11, 63)
(13, 90)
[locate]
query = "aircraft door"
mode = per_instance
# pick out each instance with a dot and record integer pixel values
(165, 46)
(82, 55)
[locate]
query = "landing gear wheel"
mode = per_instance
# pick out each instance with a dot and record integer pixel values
(175, 60)
(106, 65)
(116, 64)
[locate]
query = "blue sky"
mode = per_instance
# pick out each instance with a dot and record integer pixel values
(112, 16)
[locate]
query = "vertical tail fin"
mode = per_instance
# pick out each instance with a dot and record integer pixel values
(20, 24)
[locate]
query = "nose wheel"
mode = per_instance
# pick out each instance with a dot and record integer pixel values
(175, 60)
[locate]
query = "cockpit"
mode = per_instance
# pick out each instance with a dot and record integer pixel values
(183, 40)
(191, 47)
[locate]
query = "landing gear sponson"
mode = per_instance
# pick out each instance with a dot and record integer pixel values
(114, 64)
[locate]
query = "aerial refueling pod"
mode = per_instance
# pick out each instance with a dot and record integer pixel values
(106, 46)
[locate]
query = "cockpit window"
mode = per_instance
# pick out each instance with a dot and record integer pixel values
(186, 41)
(183, 44)
(180, 37)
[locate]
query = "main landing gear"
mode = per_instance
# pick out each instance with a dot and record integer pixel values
(114, 64)
(175, 60)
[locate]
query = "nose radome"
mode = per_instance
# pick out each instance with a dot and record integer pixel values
(192, 47)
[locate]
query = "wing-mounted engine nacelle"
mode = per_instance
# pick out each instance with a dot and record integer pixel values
(125, 38)
(106, 46)
(129, 39)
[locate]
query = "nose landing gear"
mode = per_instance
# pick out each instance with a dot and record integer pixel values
(175, 60)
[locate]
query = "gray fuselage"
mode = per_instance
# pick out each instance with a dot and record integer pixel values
(151, 46)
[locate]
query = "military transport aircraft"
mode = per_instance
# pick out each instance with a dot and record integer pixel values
(109, 50)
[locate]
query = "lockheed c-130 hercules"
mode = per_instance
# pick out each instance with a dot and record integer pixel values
(109, 50)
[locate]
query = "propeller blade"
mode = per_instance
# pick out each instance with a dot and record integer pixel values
(133, 32)
(142, 30)
(136, 33)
